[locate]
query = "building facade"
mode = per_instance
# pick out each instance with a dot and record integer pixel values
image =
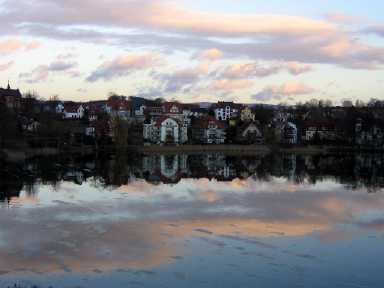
(165, 131)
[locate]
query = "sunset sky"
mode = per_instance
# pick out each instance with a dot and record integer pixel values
(244, 50)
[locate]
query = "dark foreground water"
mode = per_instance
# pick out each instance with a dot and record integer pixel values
(193, 221)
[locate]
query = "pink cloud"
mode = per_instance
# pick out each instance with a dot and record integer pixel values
(42, 72)
(231, 84)
(290, 88)
(169, 24)
(13, 45)
(211, 54)
(255, 69)
(342, 18)
(124, 65)
(6, 66)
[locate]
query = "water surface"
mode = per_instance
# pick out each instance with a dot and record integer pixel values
(193, 221)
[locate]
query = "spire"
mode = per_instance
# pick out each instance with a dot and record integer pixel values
(8, 87)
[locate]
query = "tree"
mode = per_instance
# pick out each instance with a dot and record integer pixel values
(120, 133)
(347, 103)
(54, 98)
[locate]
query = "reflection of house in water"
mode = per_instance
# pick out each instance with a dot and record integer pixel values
(249, 167)
(165, 168)
(219, 168)
(171, 168)
(368, 170)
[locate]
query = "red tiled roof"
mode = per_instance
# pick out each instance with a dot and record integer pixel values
(204, 122)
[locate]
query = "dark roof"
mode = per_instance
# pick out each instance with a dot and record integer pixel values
(10, 92)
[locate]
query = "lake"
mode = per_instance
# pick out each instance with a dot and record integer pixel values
(193, 221)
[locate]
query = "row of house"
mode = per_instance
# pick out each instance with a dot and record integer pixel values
(171, 122)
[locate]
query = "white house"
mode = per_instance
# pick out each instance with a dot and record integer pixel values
(73, 111)
(226, 110)
(289, 133)
(165, 130)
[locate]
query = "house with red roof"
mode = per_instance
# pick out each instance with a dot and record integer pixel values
(73, 110)
(209, 130)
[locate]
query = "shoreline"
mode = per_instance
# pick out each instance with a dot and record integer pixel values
(19, 155)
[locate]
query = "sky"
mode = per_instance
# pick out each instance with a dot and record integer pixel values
(249, 51)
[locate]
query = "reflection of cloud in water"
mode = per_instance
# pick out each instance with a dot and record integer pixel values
(141, 225)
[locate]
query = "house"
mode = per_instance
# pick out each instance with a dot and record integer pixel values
(249, 133)
(152, 109)
(246, 115)
(52, 106)
(177, 111)
(11, 98)
(90, 131)
(289, 133)
(369, 134)
(173, 109)
(29, 124)
(208, 130)
(165, 130)
(226, 110)
(73, 110)
(138, 106)
(198, 112)
(321, 130)
(94, 109)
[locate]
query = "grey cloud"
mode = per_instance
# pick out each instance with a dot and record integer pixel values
(42, 72)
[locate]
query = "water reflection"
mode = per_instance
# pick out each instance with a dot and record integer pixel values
(354, 170)
(178, 219)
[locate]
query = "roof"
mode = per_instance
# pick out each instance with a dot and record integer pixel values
(320, 124)
(246, 125)
(10, 93)
(168, 105)
(71, 107)
(222, 104)
(204, 122)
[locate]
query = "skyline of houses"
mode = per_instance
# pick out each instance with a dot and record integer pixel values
(173, 123)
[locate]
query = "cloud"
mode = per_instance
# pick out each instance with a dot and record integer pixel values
(155, 14)
(231, 84)
(42, 72)
(376, 29)
(211, 54)
(6, 66)
(182, 79)
(13, 45)
(342, 18)
(169, 26)
(125, 65)
(255, 69)
(279, 92)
